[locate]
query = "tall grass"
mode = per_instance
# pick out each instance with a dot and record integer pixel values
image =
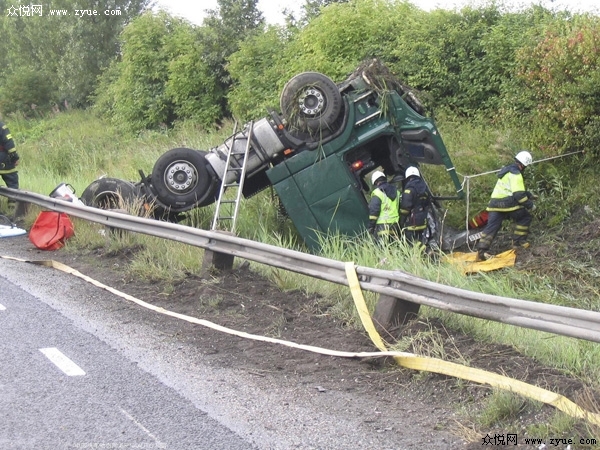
(576, 357)
(77, 147)
(475, 148)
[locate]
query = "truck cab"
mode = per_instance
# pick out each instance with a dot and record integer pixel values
(327, 190)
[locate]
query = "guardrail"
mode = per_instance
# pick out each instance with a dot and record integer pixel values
(554, 319)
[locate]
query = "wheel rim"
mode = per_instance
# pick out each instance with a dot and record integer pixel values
(181, 177)
(108, 200)
(311, 102)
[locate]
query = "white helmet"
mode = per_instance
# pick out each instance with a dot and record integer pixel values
(412, 171)
(524, 157)
(376, 176)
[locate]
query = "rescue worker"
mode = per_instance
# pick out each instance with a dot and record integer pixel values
(383, 208)
(9, 159)
(509, 200)
(414, 206)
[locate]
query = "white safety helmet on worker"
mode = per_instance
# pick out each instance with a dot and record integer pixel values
(411, 172)
(377, 175)
(524, 157)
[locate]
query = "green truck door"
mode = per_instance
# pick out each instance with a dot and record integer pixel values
(323, 197)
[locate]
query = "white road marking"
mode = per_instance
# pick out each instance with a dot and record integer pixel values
(62, 362)
(2, 307)
(143, 428)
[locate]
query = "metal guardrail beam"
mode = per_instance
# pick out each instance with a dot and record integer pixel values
(555, 319)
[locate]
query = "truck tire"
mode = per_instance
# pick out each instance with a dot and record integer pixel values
(110, 193)
(181, 179)
(311, 103)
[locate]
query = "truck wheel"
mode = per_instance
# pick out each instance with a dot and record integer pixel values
(311, 103)
(181, 179)
(110, 193)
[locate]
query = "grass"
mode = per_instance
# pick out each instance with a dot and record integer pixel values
(502, 408)
(78, 147)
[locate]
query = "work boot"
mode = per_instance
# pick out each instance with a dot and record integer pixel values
(482, 255)
(518, 245)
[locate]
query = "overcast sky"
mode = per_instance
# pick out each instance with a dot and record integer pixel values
(272, 9)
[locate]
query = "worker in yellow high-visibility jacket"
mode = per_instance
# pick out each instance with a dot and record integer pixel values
(384, 208)
(509, 200)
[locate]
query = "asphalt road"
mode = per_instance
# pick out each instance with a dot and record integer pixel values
(145, 387)
(61, 387)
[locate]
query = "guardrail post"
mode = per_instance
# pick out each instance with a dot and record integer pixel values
(391, 312)
(214, 260)
(21, 209)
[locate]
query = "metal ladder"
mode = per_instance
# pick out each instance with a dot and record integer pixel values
(239, 168)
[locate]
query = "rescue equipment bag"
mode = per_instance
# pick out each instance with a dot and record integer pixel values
(50, 230)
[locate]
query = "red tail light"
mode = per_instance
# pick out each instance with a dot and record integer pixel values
(357, 165)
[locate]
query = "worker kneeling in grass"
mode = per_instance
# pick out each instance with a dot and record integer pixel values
(509, 200)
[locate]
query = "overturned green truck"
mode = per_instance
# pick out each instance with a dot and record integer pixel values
(317, 153)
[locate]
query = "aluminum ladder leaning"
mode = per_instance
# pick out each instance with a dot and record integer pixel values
(227, 209)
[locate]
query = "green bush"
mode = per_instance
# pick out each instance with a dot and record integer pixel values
(137, 95)
(562, 79)
(160, 77)
(257, 81)
(28, 92)
(191, 86)
(334, 43)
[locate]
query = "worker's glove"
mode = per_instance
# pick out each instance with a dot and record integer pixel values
(530, 206)
(13, 158)
(402, 221)
(371, 228)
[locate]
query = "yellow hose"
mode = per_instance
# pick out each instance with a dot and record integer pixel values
(436, 365)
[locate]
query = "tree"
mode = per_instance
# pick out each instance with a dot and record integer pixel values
(160, 77)
(70, 48)
(312, 8)
(224, 29)
(562, 81)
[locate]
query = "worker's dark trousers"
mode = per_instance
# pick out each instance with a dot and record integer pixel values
(12, 181)
(413, 236)
(386, 232)
(520, 217)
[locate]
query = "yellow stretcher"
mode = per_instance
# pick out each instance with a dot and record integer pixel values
(468, 263)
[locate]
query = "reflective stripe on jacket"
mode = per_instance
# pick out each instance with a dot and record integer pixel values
(7, 147)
